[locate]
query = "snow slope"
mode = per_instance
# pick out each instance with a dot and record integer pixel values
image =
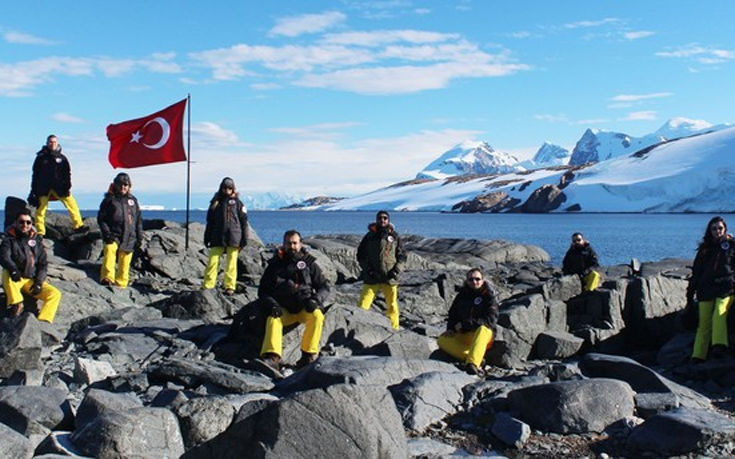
(469, 157)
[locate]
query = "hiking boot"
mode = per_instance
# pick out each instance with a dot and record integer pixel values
(718, 351)
(472, 369)
(82, 229)
(272, 360)
(15, 310)
(306, 358)
(229, 292)
(105, 282)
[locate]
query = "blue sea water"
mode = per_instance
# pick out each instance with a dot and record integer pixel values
(616, 237)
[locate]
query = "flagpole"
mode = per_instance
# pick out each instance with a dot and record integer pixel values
(188, 166)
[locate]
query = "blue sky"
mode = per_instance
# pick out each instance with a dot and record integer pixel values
(342, 97)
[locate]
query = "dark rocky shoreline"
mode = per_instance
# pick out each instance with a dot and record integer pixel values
(153, 371)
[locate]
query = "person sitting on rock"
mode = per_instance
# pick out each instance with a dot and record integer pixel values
(226, 231)
(51, 179)
(293, 289)
(23, 259)
(381, 257)
(581, 260)
(121, 226)
(471, 322)
(712, 283)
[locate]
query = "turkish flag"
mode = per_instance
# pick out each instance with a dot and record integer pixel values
(153, 139)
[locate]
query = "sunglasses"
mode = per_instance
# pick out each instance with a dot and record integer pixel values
(25, 222)
(476, 279)
(717, 228)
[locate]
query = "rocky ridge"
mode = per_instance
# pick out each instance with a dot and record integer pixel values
(156, 370)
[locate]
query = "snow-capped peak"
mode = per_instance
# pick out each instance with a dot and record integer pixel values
(469, 157)
(684, 127)
(551, 154)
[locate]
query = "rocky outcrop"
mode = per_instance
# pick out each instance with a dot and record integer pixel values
(544, 199)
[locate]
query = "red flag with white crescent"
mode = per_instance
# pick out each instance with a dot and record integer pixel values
(153, 139)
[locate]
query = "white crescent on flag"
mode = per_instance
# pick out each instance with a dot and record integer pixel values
(164, 136)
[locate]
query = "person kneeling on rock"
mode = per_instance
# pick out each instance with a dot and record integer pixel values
(23, 259)
(293, 289)
(581, 260)
(121, 226)
(471, 323)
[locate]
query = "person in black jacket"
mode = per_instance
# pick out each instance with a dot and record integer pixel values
(712, 283)
(293, 289)
(51, 180)
(121, 226)
(581, 260)
(226, 231)
(471, 322)
(23, 259)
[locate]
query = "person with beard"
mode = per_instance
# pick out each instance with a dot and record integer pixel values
(23, 259)
(471, 322)
(581, 260)
(121, 226)
(226, 232)
(381, 257)
(51, 180)
(293, 289)
(712, 282)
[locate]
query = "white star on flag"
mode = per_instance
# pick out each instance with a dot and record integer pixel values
(136, 137)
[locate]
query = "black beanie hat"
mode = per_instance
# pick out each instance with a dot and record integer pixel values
(122, 179)
(382, 212)
(227, 182)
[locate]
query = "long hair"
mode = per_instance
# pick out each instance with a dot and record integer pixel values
(708, 239)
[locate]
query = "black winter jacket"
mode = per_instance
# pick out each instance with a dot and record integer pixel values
(713, 273)
(51, 171)
(227, 222)
(472, 308)
(381, 255)
(25, 254)
(291, 280)
(580, 260)
(120, 220)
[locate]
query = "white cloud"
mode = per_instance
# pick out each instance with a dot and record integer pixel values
(700, 54)
(265, 86)
(207, 134)
(638, 97)
(307, 23)
(66, 118)
(560, 118)
(321, 130)
(422, 11)
(586, 24)
(520, 34)
(384, 37)
(25, 39)
(637, 34)
(646, 115)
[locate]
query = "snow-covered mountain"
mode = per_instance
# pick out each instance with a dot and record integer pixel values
(684, 127)
(469, 157)
(695, 173)
(269, 200)
(547, 155)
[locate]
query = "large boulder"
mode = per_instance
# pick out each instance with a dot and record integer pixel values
(210, 305)
(544, 199)
(466, 253)
(34, 409)
(193, 373)
(557, 345)
(202, 419)
(137, 432)
(14, 445)
(20, 345)
(573, 406)
(97, 402)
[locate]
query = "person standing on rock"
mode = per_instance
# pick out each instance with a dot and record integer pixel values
(23, 259)
(471, 322)
(712, 283)
(381, 257)
(293, 289)
(51, 180)
(226, 232)
(121, 226)
(581, 260)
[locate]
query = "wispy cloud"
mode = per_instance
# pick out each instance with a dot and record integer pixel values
(646, 115)
(384, 37)
(66, 118)
(635, 35)
(308, 23)
(705, 55)
(21, 38)
(638, 97)
(422, 11)
(321, 130)
(587, 24)
(559, 118)
(520, 34)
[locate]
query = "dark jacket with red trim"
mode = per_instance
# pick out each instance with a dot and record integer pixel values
(120, 220)
(51, 171)
(227, 222)
(381, 255)
(472, 308)
(580, 260)
(292, 279)
(713, 273)
(25, 254)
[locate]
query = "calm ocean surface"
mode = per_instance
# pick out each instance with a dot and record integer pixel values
(616, 237)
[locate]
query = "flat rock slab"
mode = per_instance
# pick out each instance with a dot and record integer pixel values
(682, 430)
(88, 371)
(573, 406)
(510, 430)
(14, 444)
(361, 370)
(202, 419)
(20, 344)
(557, 345)
(98, 402)
(34, 409)
(193, 373)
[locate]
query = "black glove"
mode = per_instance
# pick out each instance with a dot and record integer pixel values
(33, 199)
(15, 275)
(393, 274)
(276, 311)
(36, 289)
(468, 325)
(291, 287)
(312, 305)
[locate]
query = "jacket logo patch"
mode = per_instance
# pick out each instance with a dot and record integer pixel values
(32, 242)
(131, 202)
(231, 202)
(478, 300)
(58, 160)
(391, 239)
(725, 245)
(301, 264)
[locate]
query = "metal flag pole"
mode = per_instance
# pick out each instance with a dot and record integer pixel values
(188, 165)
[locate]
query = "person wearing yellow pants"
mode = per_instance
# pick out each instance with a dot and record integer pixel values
(471, 321)
(51, 180)
(226, 233)
(121, 225)
(581, 259)
(712, 283)
(381, 257)
(23, 259)
(293, 289)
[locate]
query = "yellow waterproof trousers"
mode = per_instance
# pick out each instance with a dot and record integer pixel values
(591, 281)
(210, 272)
(110, 256)
(367, 295)
(712, 327)
(273, 340)
(71, 206)
(51, 296)
(469, 347)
